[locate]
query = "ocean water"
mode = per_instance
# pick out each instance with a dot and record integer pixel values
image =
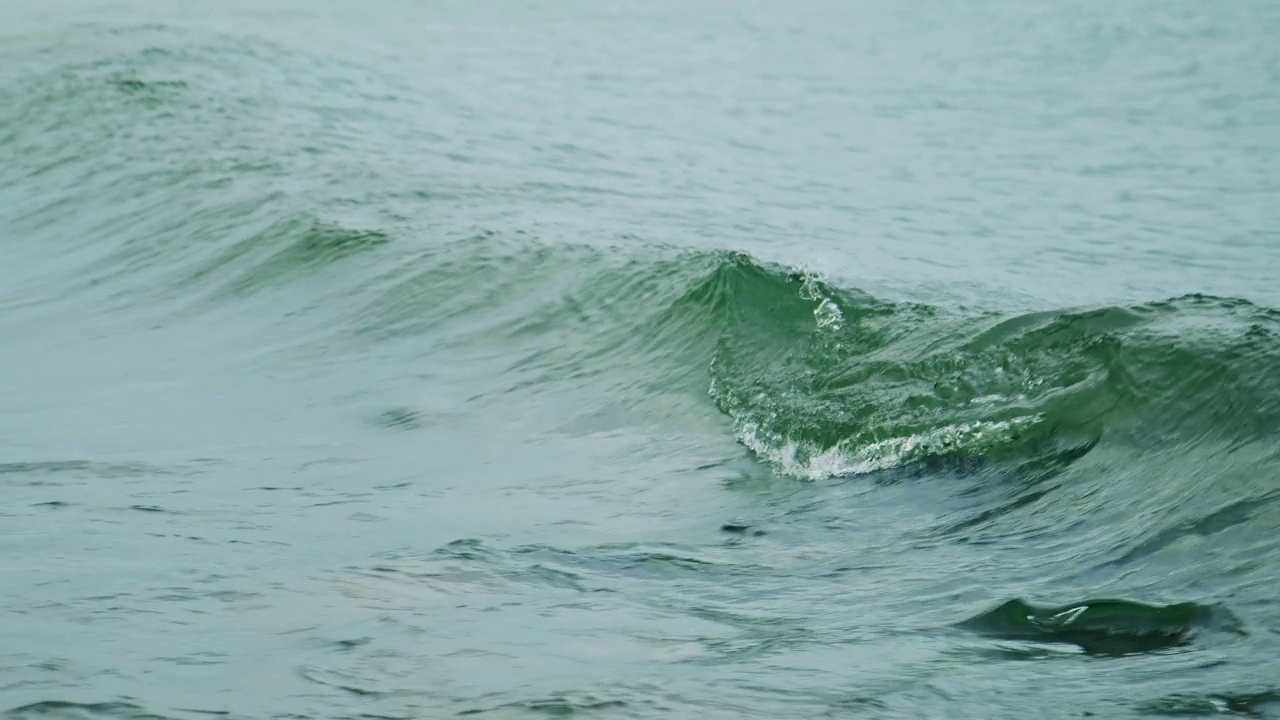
(397, 359)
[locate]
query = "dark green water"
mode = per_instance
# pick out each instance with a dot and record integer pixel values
(648, 360)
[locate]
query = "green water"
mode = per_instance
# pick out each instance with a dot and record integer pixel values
(647, 360)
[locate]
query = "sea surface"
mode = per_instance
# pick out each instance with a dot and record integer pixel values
(670, 359)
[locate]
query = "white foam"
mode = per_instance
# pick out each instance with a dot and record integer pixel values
(827, 313)
(807, 461)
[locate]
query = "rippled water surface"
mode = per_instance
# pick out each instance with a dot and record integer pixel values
(639, 360)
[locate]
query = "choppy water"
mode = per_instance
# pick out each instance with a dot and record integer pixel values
(648, 360)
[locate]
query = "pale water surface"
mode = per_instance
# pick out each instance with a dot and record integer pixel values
(640, 360)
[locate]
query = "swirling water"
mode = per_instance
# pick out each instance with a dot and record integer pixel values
(711, 359)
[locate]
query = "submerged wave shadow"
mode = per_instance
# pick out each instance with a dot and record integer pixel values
(1105, 626)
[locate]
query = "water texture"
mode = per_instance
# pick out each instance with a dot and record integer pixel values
(648, 360)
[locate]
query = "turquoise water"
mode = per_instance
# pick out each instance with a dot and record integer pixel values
(721, 360)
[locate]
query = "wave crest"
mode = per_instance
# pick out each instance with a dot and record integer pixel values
(820, 381)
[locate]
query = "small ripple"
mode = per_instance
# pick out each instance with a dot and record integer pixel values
(63, 710)
(399, 419)
(555, 706)
(87, 468)
(1223, 518)
(1250, 704)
